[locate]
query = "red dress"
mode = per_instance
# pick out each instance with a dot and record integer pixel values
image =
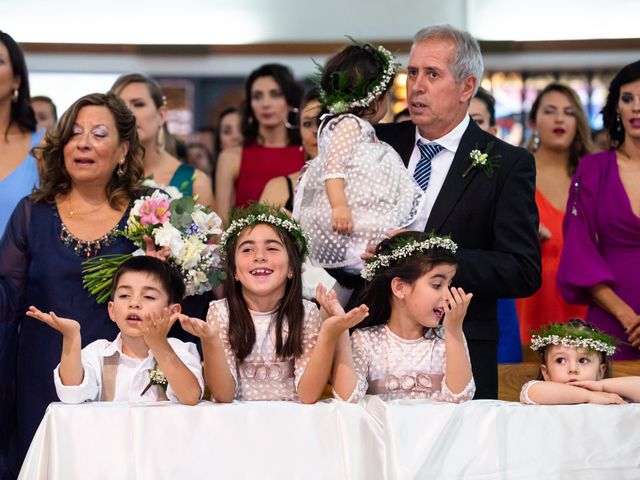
(260, 164)
(547, 305)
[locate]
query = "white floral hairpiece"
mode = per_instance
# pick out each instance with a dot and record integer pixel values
(339, 103)
(538, 342)
(569, 335)
(290, 226)
(405, 250)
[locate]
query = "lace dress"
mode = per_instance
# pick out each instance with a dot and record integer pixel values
(395, 368)
(263, 376)
(380, 192)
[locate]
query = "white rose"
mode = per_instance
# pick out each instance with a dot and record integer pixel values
(169, 236)
(191, 253)
(208, 223)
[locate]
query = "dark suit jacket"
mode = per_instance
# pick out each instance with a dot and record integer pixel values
(494, 221)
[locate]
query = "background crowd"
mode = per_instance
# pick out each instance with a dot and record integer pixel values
(588, 203)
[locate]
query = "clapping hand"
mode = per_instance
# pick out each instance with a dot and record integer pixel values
(328, 301)
(156, 326)
(457, 302)
(66, 326)
(198, 328)
(336, 325)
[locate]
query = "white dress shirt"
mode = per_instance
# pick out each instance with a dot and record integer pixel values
(440, 165)
(132, 376)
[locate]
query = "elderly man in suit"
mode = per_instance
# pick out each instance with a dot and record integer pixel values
(479, 189)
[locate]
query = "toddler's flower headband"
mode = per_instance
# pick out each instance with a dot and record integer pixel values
(362, 94)
(570, 336)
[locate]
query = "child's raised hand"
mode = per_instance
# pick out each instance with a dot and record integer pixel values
(328, 301)
(605, 398)
(156, 326)
(66, 326)
(457, 303)
(198, 327)
(341, 220)
(337, 324)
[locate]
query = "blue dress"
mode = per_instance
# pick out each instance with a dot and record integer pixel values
(18, 183)
(38, 268)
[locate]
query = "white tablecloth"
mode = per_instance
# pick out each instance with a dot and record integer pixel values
(335, 440)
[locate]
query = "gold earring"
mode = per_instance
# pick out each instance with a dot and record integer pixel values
(15, 95)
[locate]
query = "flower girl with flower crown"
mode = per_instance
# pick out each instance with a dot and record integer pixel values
(264, 342)
(413, 346)
(575, 367)
(357, 188)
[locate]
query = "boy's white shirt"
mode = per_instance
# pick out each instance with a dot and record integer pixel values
(132, 376)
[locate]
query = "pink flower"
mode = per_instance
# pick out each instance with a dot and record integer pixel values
(154, 211)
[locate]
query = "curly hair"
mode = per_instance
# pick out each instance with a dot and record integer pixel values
(54, 178)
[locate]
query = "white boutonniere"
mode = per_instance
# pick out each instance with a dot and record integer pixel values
(482, 160)
(156, 377)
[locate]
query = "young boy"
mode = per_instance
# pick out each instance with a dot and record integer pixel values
(141, 362)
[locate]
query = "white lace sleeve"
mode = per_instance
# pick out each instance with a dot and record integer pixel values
(342, 135)
(361, 347)
(524, 393)
(219, 313)
(447, 395)
(310, 333)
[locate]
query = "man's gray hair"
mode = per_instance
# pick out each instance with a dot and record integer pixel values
(468, 59)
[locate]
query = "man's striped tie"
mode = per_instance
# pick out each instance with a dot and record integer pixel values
(422, 173)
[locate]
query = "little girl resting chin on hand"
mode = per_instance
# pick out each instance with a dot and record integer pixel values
(575, 368)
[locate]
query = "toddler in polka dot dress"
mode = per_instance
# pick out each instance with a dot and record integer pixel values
(357, 188)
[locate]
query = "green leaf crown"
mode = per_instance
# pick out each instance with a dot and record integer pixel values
(361, 94)
(571, 336)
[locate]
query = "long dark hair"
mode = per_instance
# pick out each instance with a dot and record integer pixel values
(21, 111)
(291, 90)
(377, 294)
(581, 144)
(242, 332)
(627, 74)
(54, 178)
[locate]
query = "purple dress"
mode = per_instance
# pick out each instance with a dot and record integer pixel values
(601, 244)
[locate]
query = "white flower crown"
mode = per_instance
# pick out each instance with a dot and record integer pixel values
(290, 226)
(538, 342)
(338, 103)
(405, 250)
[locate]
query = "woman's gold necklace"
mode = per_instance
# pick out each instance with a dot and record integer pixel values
(71, 213)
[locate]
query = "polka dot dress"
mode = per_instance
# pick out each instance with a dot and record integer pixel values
(263, 376)
(380, 192)
(396, 368)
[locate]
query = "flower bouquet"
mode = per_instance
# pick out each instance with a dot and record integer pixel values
(187, 229)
